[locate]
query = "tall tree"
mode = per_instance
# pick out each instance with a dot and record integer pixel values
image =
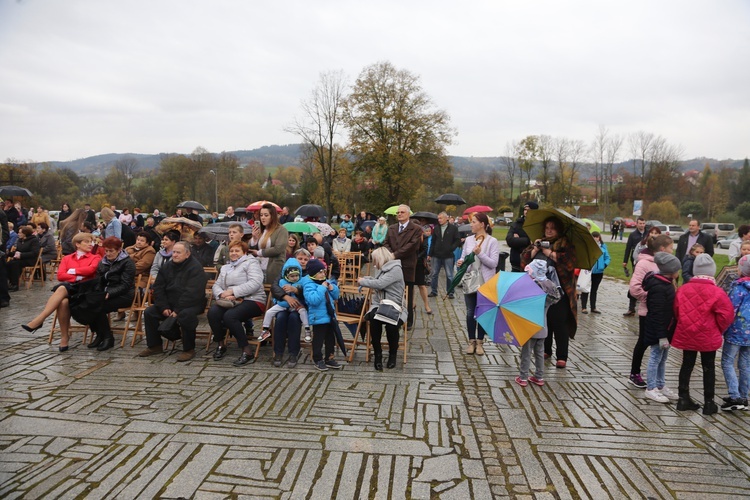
(396, 135)
(511, 165)
(562, 150)
(319, 130)
(546, 151)
(127, 167)
(528, 150)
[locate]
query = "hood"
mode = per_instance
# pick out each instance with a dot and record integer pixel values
(122, 255)
(391, 265)
(653, 280)
(291, 262)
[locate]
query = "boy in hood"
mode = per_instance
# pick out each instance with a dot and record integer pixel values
(291, 274)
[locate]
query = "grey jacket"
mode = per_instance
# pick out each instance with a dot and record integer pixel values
(245, 278)
(388, 284)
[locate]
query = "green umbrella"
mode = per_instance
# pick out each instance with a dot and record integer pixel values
(586, 249)
(594, 225)
(301, 227)
(468, 261)
(394, 210)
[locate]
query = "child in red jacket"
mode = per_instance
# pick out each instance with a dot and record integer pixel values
(703, 311)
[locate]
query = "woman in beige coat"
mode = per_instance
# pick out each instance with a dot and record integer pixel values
(268, 243)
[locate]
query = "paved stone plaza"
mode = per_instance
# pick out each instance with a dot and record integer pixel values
(84, 424)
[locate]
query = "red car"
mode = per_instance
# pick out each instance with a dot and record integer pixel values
(629, 223)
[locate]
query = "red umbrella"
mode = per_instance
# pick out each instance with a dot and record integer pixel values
(257, 205)
(478, 208)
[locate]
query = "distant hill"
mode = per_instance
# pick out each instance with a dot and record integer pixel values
(466, 167)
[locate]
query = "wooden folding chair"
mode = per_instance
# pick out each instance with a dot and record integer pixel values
(350, 264)
(145, 301)
(74, 327)
(403, 343)
(29, 273)
(351, 308)
(131, 311)
(55, 263)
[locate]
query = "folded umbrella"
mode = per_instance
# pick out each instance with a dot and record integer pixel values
(510, 308)
(468, 261)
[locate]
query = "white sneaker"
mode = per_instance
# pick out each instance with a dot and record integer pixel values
(656, 396)
(666, 391)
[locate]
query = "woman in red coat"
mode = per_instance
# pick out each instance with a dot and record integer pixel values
(74, 268)
(703, 312)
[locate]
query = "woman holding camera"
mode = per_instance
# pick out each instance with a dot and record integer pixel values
(486, 252)
(562, 321)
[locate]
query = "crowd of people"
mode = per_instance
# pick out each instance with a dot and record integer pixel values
(101, 262)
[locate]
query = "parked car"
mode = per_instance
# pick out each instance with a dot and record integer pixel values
(662, 227)
(724, 243)
(675, 232)
(654, 222)
(718, 230)
(629, 223)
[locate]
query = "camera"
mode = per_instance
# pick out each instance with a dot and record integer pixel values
(542, 244)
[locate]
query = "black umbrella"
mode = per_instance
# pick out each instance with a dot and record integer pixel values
(464, 229)
(310, 211)
(193, 205)
(220, 230)
(450, 199)
(11, 191)
(428, 216)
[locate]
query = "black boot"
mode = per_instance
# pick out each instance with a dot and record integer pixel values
(379, 362)
(709, 407)
(391, 359)
(685, 403)
(96, 342)
(108, 342)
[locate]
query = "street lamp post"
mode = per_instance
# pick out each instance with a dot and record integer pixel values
(216, 190)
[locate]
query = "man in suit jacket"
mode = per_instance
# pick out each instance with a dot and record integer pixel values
(404, 240)
(692, 236)
(445, 240)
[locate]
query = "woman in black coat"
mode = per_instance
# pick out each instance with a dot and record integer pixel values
(26, 254)
(115, 277)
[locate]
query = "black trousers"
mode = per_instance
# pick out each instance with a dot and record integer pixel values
(708, 360)
(376, 334)
(101, 324)
(596, 280)
(640, 347)
(187, 319)
(557, 328)
(323, 334)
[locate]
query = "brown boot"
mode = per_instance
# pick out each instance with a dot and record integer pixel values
(472, 347)
(479, 349)
(150, 351)
(186, 355)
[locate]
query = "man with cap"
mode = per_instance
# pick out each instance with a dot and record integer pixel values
(517, 238)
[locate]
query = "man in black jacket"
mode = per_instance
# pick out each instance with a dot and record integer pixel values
(517, 239)
(445, 240)
(692, 236)
(633, 240)
(179, 292)
(4, 235)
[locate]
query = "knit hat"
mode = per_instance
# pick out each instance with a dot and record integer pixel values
(667, 263)
(314, 267)
(743, 265)
(704, 265)
(532, 205)
(537, 269)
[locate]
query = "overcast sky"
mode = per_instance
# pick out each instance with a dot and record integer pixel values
(86, 77)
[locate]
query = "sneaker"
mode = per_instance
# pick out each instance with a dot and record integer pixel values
(637, 380)
(521, 382)
(451, 296)
(656, 396)
(669, 393)
(584, 311)
(733, 404)
(321, 366)
(595, 311)
(292, 361)
(244, 359)
(333, 364)
(264, 335)
(277, 361)
(547, 356)
(432, 294)
(561, 363)
(536, 381)
(308, 335)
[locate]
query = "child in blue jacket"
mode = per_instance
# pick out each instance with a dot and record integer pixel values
(320, 297)
(597, 274)
(737, 341)
(291, 274)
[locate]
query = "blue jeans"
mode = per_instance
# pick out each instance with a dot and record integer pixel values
(657, 366)
(730, 352)
(470, 299)
(438, 264)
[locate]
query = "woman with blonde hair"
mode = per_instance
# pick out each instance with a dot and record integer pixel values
(269, 242)
(292, 245)
(486, 252)
(113, 227)
(387, 284)
(75, 268)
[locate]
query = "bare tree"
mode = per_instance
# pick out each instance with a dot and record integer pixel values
(577, 154)
(546, 152)
(561, 148)
(510, 163)
(639, 146)
(598, 153)
(127, 167)
(614, 144)
(319, 126)
(527, 152)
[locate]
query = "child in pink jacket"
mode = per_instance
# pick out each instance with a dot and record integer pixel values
(702, 311)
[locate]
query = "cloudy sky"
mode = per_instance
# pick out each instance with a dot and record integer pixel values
(86, 77)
